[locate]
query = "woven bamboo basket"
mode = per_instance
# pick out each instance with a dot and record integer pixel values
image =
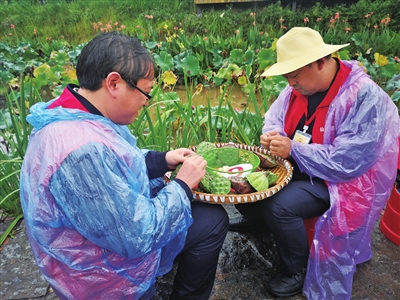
(283, 170)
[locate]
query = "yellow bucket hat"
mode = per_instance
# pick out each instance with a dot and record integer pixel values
(297, 48)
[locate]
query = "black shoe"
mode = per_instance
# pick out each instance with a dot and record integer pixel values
(240, 224)
(287, 286)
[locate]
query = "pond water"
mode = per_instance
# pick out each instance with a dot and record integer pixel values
(235, 96)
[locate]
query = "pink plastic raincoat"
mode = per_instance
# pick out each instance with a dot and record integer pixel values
(358, 160)
(98, 226)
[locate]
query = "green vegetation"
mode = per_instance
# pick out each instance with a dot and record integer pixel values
(219, 49)
(74, 20)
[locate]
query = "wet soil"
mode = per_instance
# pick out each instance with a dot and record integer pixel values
(246, 263)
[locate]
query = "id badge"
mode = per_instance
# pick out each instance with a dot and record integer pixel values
(302, 137)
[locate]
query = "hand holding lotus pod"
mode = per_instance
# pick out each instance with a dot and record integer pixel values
(175, 172)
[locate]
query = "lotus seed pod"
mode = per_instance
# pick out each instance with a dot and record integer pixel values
(220, 186)
(204, 146)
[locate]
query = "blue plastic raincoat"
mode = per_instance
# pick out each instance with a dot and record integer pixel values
(358, 161)
(98, 226)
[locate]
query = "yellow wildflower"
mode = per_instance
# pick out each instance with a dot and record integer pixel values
(381, 60)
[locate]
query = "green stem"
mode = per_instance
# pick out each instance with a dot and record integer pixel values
(10, 228)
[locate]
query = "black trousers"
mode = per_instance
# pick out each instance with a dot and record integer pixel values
(284, 213)
(197, 262)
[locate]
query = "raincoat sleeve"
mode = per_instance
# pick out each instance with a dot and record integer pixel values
(109, 202)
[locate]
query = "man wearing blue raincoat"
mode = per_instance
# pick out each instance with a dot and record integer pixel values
(100, 220)
(340, 130)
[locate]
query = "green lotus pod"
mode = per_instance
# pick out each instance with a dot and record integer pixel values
(204, 146)
(175, 172)
(229, 156)
(205, 183)
(258, 180)
(220, 185)
(211, 156)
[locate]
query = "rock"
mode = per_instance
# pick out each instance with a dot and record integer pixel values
(20, 277)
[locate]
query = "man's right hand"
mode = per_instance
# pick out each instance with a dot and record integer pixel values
(193, 170)
(277, 144)
(265, 139)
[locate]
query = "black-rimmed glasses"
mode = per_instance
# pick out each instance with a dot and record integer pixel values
(139, 89)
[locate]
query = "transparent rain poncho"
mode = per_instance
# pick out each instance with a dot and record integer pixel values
(358, 161)
(98, 226)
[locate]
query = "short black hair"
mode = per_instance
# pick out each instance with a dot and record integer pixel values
(113, 52)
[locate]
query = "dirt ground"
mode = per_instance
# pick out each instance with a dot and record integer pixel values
(246, 263)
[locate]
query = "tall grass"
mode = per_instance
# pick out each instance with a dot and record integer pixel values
(169, 123)
(15, 140)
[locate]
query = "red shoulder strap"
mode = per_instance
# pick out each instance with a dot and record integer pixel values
(298, 107)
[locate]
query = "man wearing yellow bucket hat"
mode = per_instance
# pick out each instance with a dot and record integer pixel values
(340, 131)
